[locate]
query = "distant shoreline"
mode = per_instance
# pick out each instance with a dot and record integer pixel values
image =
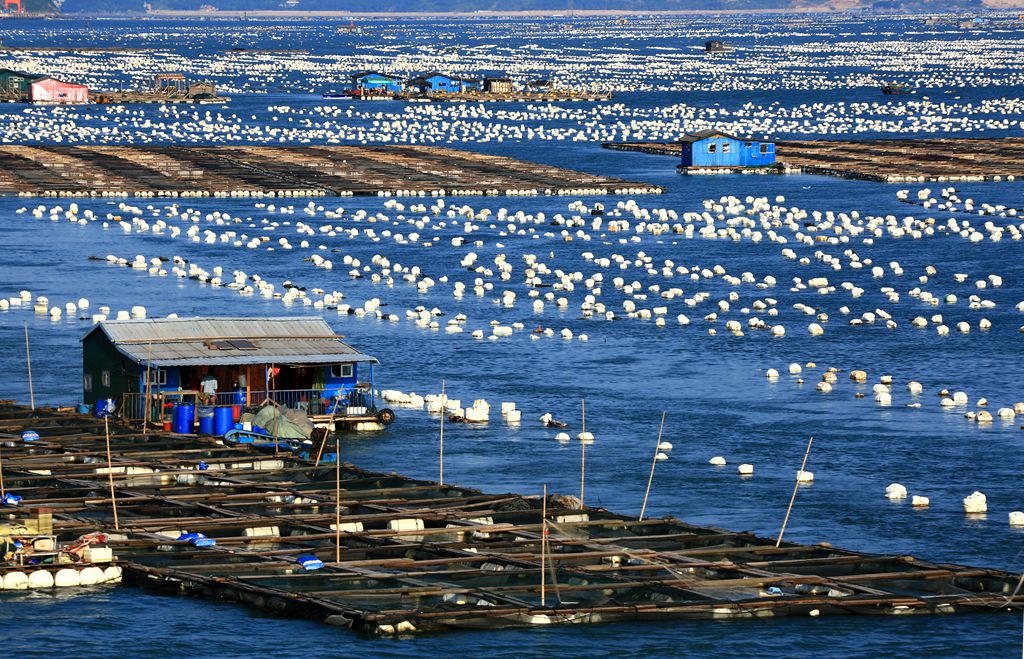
(530, 13)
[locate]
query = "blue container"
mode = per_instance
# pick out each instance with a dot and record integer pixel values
(205, 414)
(84, 409)
(184, 419)
(223, 420)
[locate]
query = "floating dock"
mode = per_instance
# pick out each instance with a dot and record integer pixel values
(244, 171)
(419, 557)
(886, 161)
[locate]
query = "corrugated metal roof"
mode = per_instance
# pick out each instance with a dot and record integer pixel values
(188, 341)
(710, 132)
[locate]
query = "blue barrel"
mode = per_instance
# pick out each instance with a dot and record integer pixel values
(205, 414)
(223, 420)
(184, 419)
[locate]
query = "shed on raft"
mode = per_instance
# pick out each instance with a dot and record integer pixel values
(498, 85)
(36, 88)
(374, 81)
(713, 148)
(434, 83)
(297, 362)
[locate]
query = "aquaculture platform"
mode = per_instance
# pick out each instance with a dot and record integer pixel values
(417, 557)
(887, 161)
(177, 171)
(548, 96)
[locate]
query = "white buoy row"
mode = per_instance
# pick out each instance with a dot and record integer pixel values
(65, 577)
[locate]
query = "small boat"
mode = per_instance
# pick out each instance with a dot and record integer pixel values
(263, 441)
(896, 88)
(336, 95)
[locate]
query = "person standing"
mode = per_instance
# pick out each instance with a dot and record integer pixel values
(208, 388)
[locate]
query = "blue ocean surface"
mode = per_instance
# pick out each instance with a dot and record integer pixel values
(791, 75)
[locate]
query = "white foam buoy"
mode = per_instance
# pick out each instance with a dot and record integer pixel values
(745, 469)
(976, 503)
(718, 461)
(1017, 518)
(919, 502)
(803, 476)
(67, 578)
(895, 491)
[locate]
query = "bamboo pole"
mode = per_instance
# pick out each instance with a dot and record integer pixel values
(2, 491)
(444, 406)
(650, 479)
(544, 545)
(583, 450)
(337, 497)
(28, 361)
(149, 387)
(110, 472)
(796, 485)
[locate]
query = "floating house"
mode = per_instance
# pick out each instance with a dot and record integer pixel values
(374, 81)
(296, 362)
(51, 90)
(498, 85)
(35, 88)
(434, 83)
(712, 148)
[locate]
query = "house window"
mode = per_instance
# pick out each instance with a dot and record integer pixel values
(764, 148)
(105, 378)
(87, 382)
(747, 144)
(341, 370)
(157, 377)
(725, 147)
(712, 148)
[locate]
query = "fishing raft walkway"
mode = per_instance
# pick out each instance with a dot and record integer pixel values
(885, 161)
(417, 557)
(177, 171)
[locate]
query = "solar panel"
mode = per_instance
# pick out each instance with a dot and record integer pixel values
(242, 344)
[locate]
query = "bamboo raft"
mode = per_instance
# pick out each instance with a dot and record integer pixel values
(416, 557)
(886, 161)
(173, 171)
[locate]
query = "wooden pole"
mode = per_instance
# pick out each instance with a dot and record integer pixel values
(149, 387)
(795, 487)
(28, 361)
(543, 545)
(650, 479)
(319, 454)
(110, 472)
(2, 492)
(337, 497)
(444, 406)
(583, 450)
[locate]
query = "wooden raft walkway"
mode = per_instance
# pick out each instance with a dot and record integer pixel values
(174, 171)
(472, 561)
(886, 161)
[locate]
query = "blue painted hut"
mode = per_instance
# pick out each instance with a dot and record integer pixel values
(713, 148)
(297, 362)
(374, 81)
(434, 83)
